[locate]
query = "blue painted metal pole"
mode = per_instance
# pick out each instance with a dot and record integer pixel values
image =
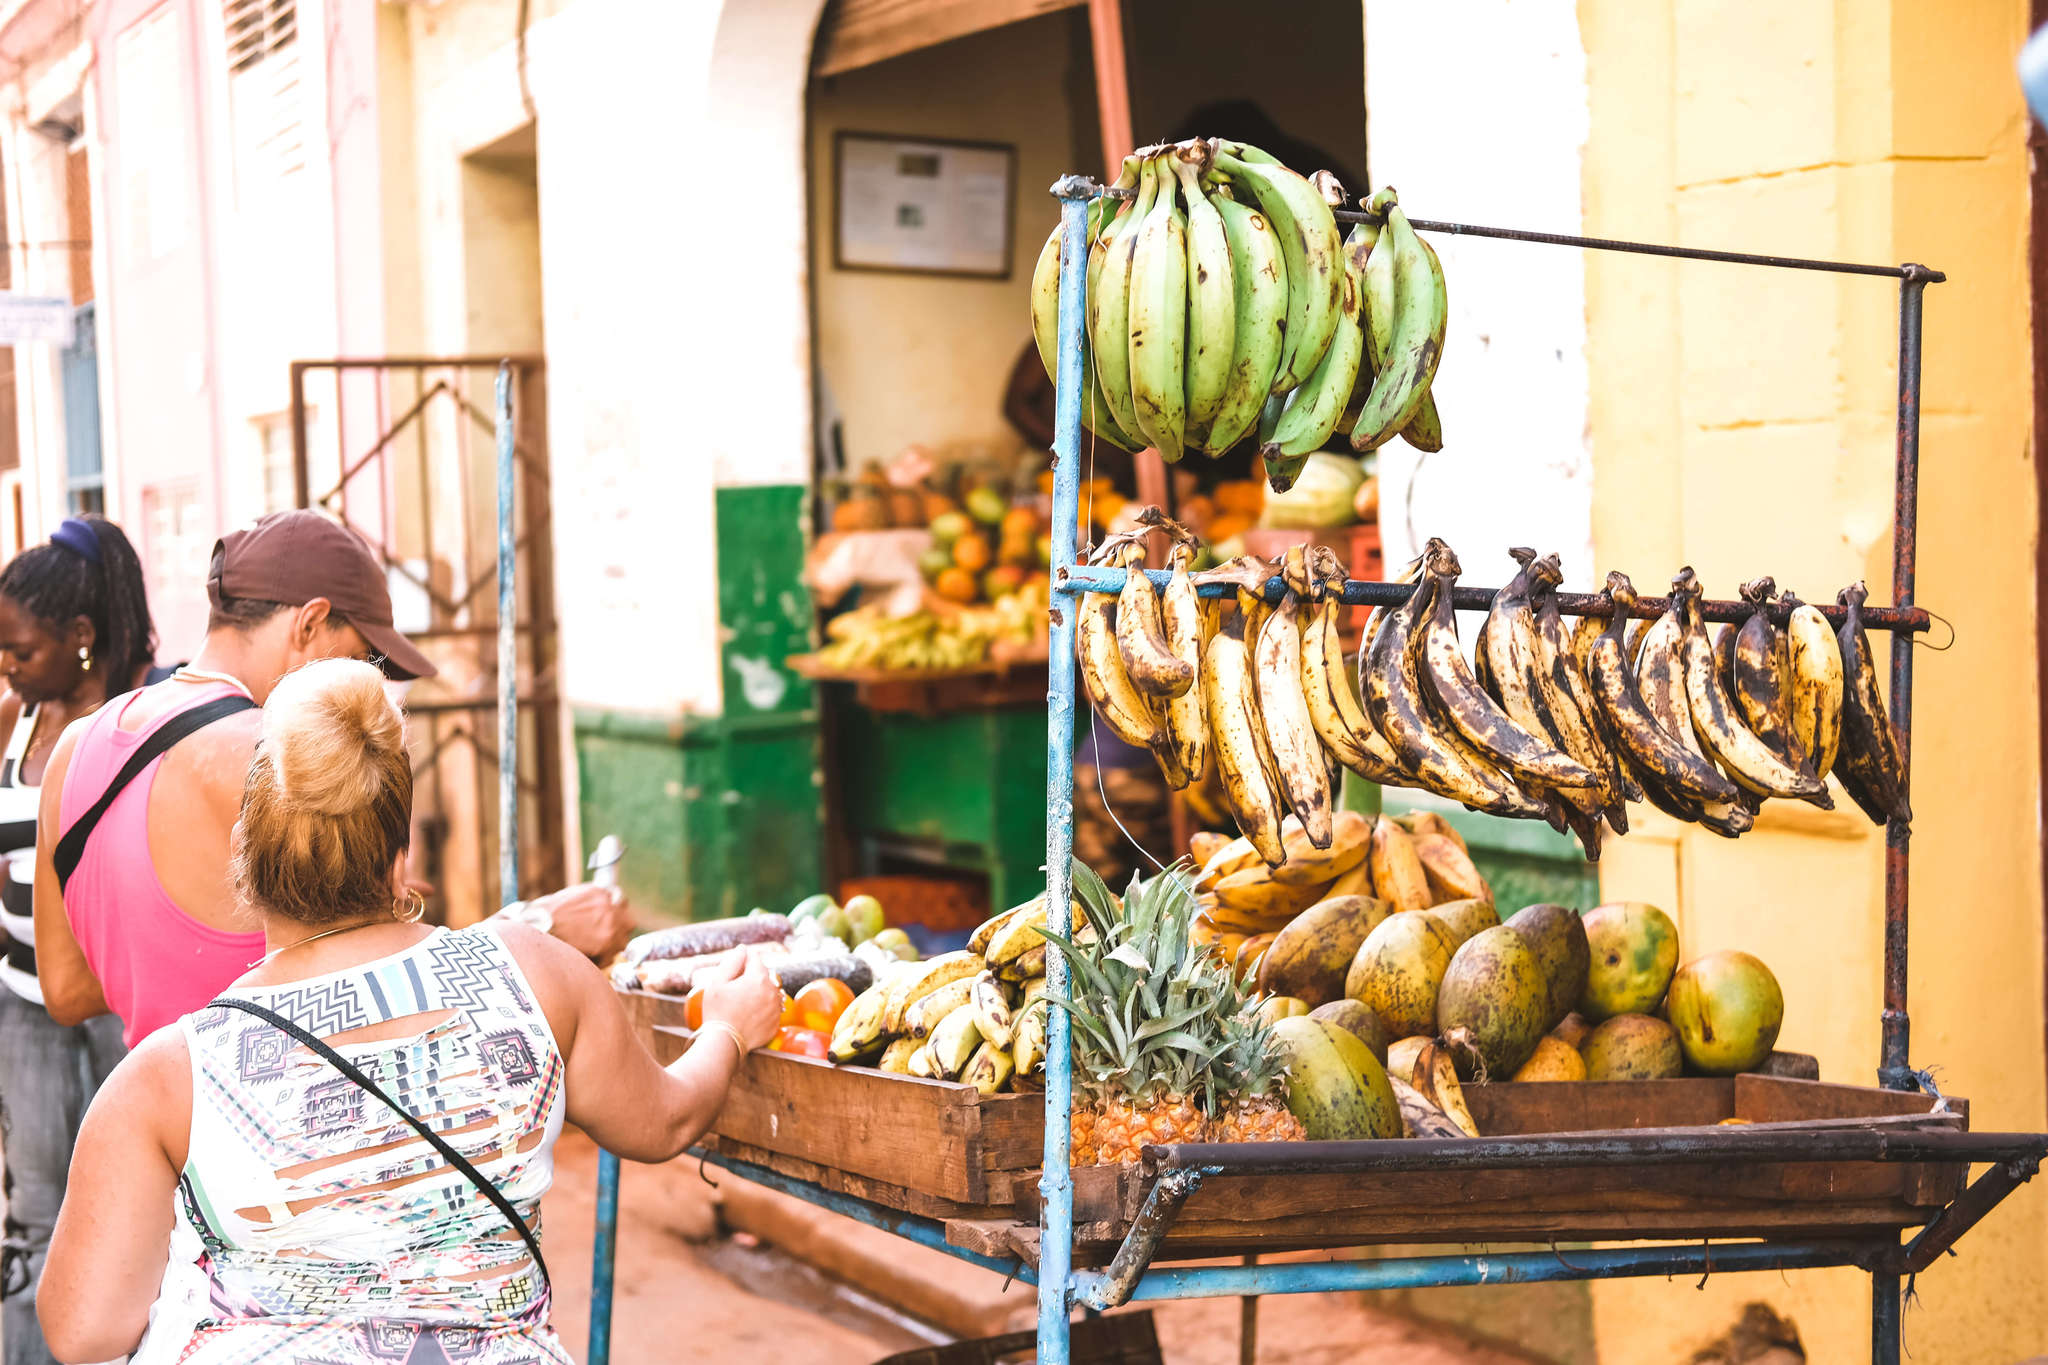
(1056, 1183)
(508, 654)
(1527, 1267)
(604, 1253)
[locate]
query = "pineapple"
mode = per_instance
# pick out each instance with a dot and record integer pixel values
(1258, 1110)
(1152, 1016)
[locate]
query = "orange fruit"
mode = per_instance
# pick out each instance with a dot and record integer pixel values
(955, 585)
(819, 1004)
(1020, 523)
(971, 553)
(1001, 581)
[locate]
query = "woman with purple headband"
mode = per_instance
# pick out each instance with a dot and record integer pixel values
(74, 631)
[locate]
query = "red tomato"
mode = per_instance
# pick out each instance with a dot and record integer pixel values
(819, 1005)
(804, 1042)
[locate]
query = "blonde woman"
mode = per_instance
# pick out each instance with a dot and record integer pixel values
(257, 1140)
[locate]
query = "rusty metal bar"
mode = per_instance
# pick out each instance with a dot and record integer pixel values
(1683, 253)
(1557, 1151)
(391, 434)
(1163, 1203)
(1965, 1212)
(1893, 1071)
(1358, 592)
(300, 482)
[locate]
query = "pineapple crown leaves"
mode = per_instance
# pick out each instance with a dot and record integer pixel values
(1151, 1010)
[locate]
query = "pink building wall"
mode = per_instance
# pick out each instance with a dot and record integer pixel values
(164, 183)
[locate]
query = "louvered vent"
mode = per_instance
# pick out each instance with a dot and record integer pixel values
(257, 28)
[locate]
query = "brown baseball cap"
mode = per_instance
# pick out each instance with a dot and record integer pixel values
(294, 557)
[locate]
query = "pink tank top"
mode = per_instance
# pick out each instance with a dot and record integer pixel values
(154, 962)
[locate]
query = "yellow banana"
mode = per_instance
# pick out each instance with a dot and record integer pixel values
(1230, 701)
(1814, 698)
(952, 1043)
(1740, 752)
(1122, 707)
(1186, 734)
(1149, 662)
(922, 1016)
(921, 979)
(1304, 773)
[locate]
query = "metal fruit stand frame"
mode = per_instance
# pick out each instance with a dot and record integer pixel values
(1919, 1157)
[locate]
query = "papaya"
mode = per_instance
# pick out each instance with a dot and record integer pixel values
(1727, 1009)
(1553, 1060)
(1465, 918)
(1398, 969)
(1632, 1047)
(1355, 1018)
(1557, 937)
(1336, 1088)
(1633, 952)
(1490, 1008)
(1311, 957)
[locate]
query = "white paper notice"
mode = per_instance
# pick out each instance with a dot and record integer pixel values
(923, 206)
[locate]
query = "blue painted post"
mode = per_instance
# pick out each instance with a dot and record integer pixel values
(508, 654)
(604, 1252)
(1056, 1184)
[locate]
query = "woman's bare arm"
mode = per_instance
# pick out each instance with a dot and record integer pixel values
(71, 993)
(107, 1255)
(628, 1103)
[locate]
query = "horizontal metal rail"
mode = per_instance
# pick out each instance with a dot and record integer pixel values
(1094, 1288)
(925, 1232)
(1918, 273)
(1364, 593)
(1792, 1144)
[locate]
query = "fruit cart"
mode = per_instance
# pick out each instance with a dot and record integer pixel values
(1809, 1175)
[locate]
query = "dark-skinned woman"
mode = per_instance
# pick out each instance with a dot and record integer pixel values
(74, 630)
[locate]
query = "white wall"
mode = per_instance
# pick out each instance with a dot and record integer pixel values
(1478, 113)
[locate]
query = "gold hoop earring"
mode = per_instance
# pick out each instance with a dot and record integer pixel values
(414, 908)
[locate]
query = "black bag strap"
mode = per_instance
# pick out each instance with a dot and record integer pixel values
(454, 1158)
(71, 848)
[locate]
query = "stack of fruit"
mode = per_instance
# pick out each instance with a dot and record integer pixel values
(1550, 996)
(976, 559)
(868, 640)
(1165, 1049)
(1371, 868)
(1225, 305)
(976, 1016)
(1544, 722)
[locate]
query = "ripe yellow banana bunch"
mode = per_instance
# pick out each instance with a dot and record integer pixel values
(1223, 304)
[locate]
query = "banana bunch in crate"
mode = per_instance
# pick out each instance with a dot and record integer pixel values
(1224, 304)
(1546, 721)
(976, 1016)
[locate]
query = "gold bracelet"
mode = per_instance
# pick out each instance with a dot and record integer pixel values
(729, 1031)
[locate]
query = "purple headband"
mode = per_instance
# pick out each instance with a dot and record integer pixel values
(77, 537)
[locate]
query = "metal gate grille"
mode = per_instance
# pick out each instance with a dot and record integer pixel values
(401, 449)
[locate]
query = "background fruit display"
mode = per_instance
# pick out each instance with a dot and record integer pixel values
(1225, 305)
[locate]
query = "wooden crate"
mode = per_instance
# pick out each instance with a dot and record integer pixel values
(925, 1147)
(1271, 1213)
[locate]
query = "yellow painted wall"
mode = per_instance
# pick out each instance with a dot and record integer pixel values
(1742, 423)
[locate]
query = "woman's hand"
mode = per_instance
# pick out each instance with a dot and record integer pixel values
(745, 995)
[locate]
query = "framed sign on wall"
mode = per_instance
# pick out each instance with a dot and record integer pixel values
(926, 205)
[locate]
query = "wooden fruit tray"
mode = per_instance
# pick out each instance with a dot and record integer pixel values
(925, 1147)
(1236, 1214)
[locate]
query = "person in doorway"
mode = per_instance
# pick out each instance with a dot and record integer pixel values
(75, 630)
(135, 909)
(239, 1196)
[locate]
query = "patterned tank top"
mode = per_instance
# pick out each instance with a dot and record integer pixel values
(314, 1227)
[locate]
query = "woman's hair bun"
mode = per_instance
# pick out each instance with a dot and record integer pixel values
(331, 731)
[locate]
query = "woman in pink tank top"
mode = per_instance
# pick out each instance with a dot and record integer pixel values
(154, 962)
